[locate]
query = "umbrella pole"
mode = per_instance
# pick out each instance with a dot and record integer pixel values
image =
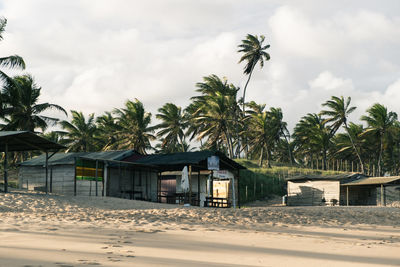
(5, 169)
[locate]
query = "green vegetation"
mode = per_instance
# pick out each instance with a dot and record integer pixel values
(217, 119)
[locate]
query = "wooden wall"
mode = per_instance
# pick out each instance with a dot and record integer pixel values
(312, 193)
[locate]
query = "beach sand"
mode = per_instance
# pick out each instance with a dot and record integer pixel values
(40, 230)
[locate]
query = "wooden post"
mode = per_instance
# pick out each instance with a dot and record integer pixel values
(382, 198)
(96, 177)
(347, 195)
(190, 184)
(51, 180)
(198, 187)
(47, 172)
(5, 168)
(246, 194)
(238, 187)
(75, 177)
(352, 163)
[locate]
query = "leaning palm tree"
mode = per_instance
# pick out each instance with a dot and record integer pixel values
(14, 61)
(135, 132)
(380, 123)
(172, 126)
(79, 134)
(254, 52)
(21, 108)
(338, 111)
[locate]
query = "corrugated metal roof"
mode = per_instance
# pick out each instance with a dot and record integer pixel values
(69, 158)
(176, 161)
(335, 177)
(26, 141)
(374, 180)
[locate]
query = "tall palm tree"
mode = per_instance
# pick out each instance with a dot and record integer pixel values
(79, 134)
(254, 52)
(22, 110)
(380, 123)
(172, 126)
(135, 132)
(14, 61)
(338, 112)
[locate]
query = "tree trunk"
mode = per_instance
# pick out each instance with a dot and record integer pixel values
(260, 161)
(355, 149)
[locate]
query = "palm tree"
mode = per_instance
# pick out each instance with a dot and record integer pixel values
(172, 126)
(380, 123)
(22, 110)
(106, 131)
(135, 132)
(212, 114)
(265, 133)
(14, 61)
(339, 110)
(254, 52)
(80, 133)
(312, 136)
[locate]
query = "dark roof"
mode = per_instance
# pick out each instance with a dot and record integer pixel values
(375, 181)
(69, 158)
(198, 160)
(26, 141)
(343, 178)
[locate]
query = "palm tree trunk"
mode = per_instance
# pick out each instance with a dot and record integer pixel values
(380, 156)
(260, 162)
(355, 149)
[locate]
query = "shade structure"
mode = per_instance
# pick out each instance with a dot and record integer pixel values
(24, 141)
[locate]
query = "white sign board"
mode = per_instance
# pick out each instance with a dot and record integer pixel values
(213, 163)
(223, 174)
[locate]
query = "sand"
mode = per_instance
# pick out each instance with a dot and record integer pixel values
(40, 230)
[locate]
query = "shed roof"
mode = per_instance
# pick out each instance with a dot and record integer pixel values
(25, 141)
(343, 178)
(375, 181)
(198, 159)
(69, 158)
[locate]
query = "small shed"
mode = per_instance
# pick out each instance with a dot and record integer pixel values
(317, 190)
(92, 174)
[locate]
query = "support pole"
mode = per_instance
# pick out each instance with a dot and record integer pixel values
(347, 195)
(47, 172)
(190, 184)
(75, 177)
(198, 187)
(97, 169)
(382, 198)
(233, 192)
(5, 168)
(51, 180)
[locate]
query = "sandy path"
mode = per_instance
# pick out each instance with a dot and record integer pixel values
(38, 230)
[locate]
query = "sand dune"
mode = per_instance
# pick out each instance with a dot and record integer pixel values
(50, 230)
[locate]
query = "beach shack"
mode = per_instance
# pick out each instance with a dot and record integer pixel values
(213, 178)
(92, 174)
(317, 190)
(342, 189)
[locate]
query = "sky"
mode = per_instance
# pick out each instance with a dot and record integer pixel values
(94, 55)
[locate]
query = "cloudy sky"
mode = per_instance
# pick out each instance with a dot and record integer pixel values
(93, 55)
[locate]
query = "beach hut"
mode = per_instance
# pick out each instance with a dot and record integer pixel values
(92, 174)
(213, 178)
(317, 190)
